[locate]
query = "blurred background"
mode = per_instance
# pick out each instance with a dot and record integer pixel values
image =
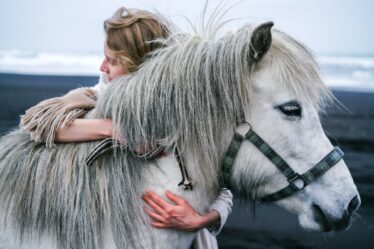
(49, 47)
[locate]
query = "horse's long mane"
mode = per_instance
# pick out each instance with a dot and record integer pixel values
(195, 90)
(189, 93)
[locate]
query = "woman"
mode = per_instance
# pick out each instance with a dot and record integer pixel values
(130, 36)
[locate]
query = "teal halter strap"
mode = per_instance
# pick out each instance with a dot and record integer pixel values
(296, 181)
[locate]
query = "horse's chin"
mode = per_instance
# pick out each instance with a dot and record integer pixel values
(318, 222)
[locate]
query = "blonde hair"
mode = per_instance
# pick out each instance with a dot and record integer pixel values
(132, 34)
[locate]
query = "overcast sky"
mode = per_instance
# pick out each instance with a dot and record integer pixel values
(326, 26)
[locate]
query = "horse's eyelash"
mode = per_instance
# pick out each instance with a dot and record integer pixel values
(290, 108)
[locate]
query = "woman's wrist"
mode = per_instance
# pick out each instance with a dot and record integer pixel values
(207, 220)
(106, 128)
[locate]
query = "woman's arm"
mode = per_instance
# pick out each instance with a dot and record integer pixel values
(81, 130)
(44, 120)
(181, 215)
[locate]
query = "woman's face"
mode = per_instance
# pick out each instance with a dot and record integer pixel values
(110, 65)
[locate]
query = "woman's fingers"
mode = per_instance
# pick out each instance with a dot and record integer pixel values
(181, 215)
(159, 225)
(145, 148)
(154, 205)
(156, 217)
(158, 200)
(175, 198)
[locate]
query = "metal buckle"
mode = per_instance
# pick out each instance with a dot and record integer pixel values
(243, 129)
(298, 181)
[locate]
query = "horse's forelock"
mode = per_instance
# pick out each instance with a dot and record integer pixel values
(297, 71)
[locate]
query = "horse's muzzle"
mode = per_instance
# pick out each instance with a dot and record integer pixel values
(329, 223)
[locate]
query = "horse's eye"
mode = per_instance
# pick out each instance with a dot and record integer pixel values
(290, 109)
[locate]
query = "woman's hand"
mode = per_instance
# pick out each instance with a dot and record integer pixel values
(180, 215)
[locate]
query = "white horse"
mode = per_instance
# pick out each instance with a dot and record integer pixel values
(192, 94)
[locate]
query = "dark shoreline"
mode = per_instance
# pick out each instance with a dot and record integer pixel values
(272, 227)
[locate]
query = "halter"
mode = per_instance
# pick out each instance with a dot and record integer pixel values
(296, 181)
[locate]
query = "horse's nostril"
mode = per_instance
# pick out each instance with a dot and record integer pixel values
(321, 219)
(329, 222)
(354, 205)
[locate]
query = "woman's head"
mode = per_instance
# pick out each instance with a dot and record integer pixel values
(129, 36)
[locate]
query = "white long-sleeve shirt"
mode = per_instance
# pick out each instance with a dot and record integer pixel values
(206, 238)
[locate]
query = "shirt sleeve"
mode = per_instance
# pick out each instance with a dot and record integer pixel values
(223, 205)
(44, 119)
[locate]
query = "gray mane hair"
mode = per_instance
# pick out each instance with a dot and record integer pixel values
(187, 94)
(195, 89)
(51, 189)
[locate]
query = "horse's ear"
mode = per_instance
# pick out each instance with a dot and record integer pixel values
(261, 40)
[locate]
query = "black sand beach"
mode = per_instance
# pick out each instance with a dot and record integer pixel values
(272, 227)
